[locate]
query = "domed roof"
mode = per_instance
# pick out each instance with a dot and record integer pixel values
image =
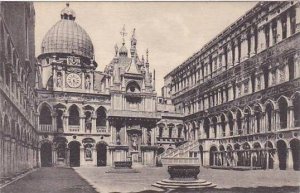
(123, 50)
(66, 36)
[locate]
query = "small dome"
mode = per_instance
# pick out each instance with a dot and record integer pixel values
(123, 50)
(68, 13)
(66, 36)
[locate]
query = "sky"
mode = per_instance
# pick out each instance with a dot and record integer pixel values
(172, 31)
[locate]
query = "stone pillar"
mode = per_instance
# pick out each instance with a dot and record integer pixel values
(297, 11)
(288, 25)
(261, 45)
(279, 30)
(253, 51)
(244, 47)
(94, 129)
(82, 124)
(236, 53)
(270, 35)
(230, 92)
(289, 161)
(229, 56)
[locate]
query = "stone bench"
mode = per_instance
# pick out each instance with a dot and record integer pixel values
(123, 164)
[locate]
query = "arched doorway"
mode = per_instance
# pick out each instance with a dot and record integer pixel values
(295, 149)
(46, 155)
(212, 155)
(101, 154)
(282, 154)
(269, 159)
(74, 147)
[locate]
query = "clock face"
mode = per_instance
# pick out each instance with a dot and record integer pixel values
(73, 80)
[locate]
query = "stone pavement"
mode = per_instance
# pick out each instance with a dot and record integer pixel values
(50, 180)
(66, 180)
(226, 180)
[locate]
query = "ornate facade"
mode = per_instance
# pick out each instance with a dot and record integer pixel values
(240, 93)
(88, 117)
(18, 136)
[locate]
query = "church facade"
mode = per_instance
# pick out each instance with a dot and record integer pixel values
(88, 117)
(240, 93)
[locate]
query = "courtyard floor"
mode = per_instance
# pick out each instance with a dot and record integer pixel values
(226, 180)
(95, 179)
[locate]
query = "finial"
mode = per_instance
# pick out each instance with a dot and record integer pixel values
(133, 33)
(147, 55)
(67, 4)
(143, 59)
(123, 33)
(116, 49)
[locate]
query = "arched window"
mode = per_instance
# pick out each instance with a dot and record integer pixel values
(215, 122)
(291, 67)
(230, 122)
(206, 127)
(101, 117)
(247, 120)
(283, 113)
(269, 116)
(296, 104)
(239, 122)
(257, 114)
(73, 115)
(223, 125)
(45, 115)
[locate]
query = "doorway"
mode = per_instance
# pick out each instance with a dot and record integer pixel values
(74, 147)
(101, 154)
(46, 155)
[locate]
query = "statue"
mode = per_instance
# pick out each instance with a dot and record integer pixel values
(88, 153)
(134, 142)
(59, 80)
(87, 82)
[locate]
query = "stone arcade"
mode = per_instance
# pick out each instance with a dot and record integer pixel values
(234, 104)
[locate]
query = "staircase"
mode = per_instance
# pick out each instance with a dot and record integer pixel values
(180, 155)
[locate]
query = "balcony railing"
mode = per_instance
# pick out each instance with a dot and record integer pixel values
(102, 129)
(74, 128)
(46, 128)
(168, 139)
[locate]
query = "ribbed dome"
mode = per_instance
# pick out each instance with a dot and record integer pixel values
(66, 36)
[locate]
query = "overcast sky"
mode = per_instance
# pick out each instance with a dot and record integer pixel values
(172, 31)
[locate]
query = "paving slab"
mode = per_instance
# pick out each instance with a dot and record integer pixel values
(50, 180)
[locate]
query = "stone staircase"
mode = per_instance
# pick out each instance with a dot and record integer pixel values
(181, 155)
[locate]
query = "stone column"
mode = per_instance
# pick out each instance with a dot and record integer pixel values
(261, 45)
(270, 35)
(297, 10)
(291, 118)
(236, 53)
(252, 51)
(82, 124)
(244, 47)
(94, 129)
(279, 30)
(230, 92)
(229, 56)
(289, 161)
(288, 25)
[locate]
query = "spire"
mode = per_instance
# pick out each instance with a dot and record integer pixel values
(147, 57)
(123, 34)
(132, 68)
(116, 50)
(133, 43)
